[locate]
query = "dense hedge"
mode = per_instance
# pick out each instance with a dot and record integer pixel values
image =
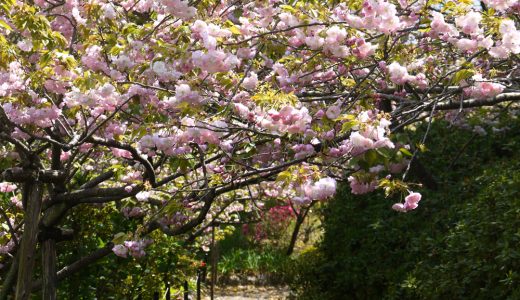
(463, 242)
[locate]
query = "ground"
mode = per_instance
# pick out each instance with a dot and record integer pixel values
(250, 292)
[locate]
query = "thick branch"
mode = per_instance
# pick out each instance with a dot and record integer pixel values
(207, 199)
(21, 175)
(78, 265)
(479, 102)
(79, 196)
(97, 180)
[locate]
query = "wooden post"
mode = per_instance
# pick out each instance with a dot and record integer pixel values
(167, 285)
(199, 271)
(32, 199)
(49, 279)
(186, 290)
(213, 264)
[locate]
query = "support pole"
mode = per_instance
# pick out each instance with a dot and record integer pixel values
(49, 269)
(32, 199)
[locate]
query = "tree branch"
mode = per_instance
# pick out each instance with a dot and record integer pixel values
(78, 265)
(479, 102)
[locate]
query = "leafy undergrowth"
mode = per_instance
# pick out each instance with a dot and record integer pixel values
(267, 266)
(246, 260)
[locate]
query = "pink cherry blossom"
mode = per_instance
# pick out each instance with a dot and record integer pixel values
(120, 250)
(398, 73)
(323, 188)
(411, 202)
(359, 187)
(6, 187)
(250, 82)
(469, 23)
(333, 112)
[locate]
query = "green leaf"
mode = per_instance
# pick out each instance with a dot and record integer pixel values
(5, 26)
(462, 75)
(405, 152)
(284, 176)
(288, 8)
(371, 157)
(347, 126)
(235, 30)
(6, 5)
(119, 238)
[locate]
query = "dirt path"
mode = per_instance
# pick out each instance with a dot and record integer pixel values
(247, 292)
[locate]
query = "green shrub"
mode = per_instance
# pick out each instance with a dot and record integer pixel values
(462, 242)
(268, 265)
(479, 257)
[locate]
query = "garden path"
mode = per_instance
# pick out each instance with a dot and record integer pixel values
(250, 292)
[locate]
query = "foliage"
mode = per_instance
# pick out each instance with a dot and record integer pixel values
(462, 244)
(478, 256)
(168, 262)
(267, 265)
(243, 254)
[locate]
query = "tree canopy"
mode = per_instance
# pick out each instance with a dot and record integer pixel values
(184, 114)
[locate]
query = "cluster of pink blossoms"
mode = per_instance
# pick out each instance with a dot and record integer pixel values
(359, 187)
(200, 30)
(42, 117)
(317, 190)
(184, 93)
(11, 80)
(410, 202)
(376, 15)
(7, 187)
(105, 98)
(483, 89)
(176, 141)
(214, 61)
(288, 119)
(399, 75)
(468, 24)
(305, 190)
(510, 43)
(501, 5)
(134, 248)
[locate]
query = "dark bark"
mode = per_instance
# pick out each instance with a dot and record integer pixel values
(294, 237)
(213, 264)
(32, 199)
(49, 279)
(186, 290)
(198, 283)
(167, 285)
(97, 180)
(447, 105)
(48, 243)
(21, 175)
(300, 217)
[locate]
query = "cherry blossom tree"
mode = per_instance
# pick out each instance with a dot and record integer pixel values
(181, 113)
